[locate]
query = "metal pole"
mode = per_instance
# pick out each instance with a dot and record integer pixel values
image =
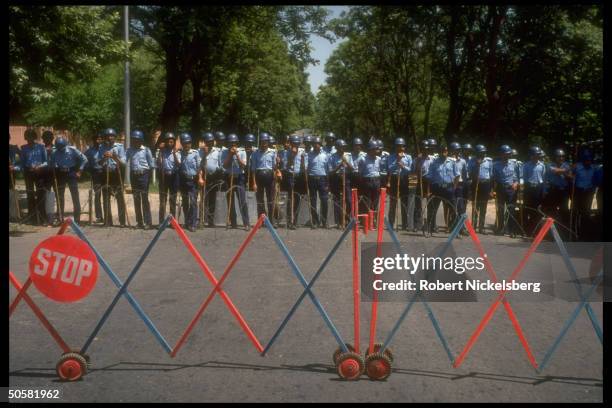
(126, 83)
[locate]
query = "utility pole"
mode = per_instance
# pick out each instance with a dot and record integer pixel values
(126, 84)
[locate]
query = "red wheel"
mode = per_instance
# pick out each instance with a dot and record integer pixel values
(339, 351)
(349, 365)
(378, 366)
(71, 367)
(377, 347)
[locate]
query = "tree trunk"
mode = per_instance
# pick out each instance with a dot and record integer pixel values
(175, 79)
(196, 121)
(493, 94)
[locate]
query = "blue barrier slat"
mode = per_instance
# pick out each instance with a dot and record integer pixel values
(300, 276)
(123, 290)
(574, 276)
(308, 288)
(570, 322)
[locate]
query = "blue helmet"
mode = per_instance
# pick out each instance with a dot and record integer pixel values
(480, 148)
(505, 149)
(294, 139)
(219, 136)
(249, 138)
(432, 143)
(340, 143)
(534, 151)
(264, 137)
(559, 153)
(110, 131)
(400, 141)
(185, 138)
(467, 146)
(330, 135)
(307, 139)
(137, 135)
(169, 135)
(60, 143)
(425, 144)
(232, 138)
(272, 140)
(316, 140)
(208, 137)
(372, 144)
(454, 146)
(357, 142)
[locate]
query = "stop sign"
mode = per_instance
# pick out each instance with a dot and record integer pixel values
(64, 268)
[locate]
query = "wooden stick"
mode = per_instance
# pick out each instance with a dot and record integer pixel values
(15, 196)
(231, 193)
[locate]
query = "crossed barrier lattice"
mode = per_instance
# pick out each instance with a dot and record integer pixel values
(350, 365)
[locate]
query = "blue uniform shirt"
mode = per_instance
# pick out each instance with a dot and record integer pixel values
(68, 158)
(14, 157)
(336, 159)
(558, 180)
(461, 166)
(369, 166)
(93, 154)
(505, 173)
(295, 167)
(403, 165)
(485, 173)
(212, 160)
(140, 159)
(116, 148)
(166, 161)
(584, 176)
(234, 167)
(317, 163)
(356, 158)
(33, 156)
(329, 150)
(263, 160)
(190, 163)
(442, 171)
(533, 173)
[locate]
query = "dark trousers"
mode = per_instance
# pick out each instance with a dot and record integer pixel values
(533, 196)
(97, 179)
(69, 178)
(189, 196)
(168, 189)
(214, 184)
(318, 185)
(403, 196)
(335, 187)
(371, 193)
(114, 188)
(35, 191)
(556, 204)
(440, 193)
(140, 190)
(238, 192)
(480, 194)
(506, 200)
(297, 187)
(265, 185)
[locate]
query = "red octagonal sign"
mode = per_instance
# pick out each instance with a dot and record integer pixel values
(64, 268)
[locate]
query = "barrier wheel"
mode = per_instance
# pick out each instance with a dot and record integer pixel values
(378, 366)
(349, 365)
(71, 367)
(377, 347)
(339, 351)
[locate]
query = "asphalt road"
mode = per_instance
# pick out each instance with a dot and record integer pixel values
(219, 363)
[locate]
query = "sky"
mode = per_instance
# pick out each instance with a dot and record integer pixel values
(322, 49)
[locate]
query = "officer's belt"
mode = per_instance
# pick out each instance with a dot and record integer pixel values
(140, 172)
(264, 171)
(443, 185)
(372, 177)
(316, 177)
(533, 185)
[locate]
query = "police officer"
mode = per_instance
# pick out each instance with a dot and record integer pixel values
(356, 155)
(263, 165)
(399, 167)
(534, 175)
(234, 161)
(420, 169)
(213, 173)
(94, 156)
(14, 167)
(282, 158)
(249, 142)
(49, 179)
(443, 178)
(68, 163)
(558, 180)
(190, 175)
(308, 143)
(369, 176)
(339, 167)
(584, 187)
(384, 156)
(506, 183)
(330, 141)
(113, 160)
(141, 164)
(433, 148)
(168, 164)
(480, 171)
(461, 164)
(318, 183)
(34, 163)
(294, 165)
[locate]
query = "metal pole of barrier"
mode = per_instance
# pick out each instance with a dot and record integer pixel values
(296, 271)
(356, 318)
(308, 288)
(574, 277)
(217, 288)
(571, 321)
(123, 288)
(39, 314)
(209, 275)
(489, 314)
(380, 225)
(430, 313)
